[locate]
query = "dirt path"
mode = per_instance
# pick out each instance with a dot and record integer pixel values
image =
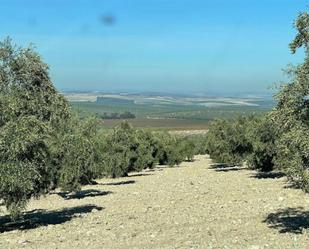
(191, 206)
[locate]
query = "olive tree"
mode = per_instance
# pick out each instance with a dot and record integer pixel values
(119, 150)
(291, 114)
(74, 155)
(32, 113)
(145, 151)
(227, 142)
(261, 132)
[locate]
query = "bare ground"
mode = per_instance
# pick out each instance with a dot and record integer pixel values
(195, 205)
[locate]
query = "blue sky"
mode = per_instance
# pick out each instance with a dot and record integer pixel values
(177, 46)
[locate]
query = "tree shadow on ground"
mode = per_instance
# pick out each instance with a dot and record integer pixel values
(119, 183)
(289, 220)
(83, 194)
(220, 167)
(139, 174)
(41, 217)
(268, 175)
(154, 170)
(293, 185)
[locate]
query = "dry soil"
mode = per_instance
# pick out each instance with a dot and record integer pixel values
(195, 205)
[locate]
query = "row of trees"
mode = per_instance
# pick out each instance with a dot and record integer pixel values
(260, 143)
(44, 146)
(116, 115)
(126, 149)
(278, 140)
(245, 139)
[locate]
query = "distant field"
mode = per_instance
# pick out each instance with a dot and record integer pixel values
(169, 124)
(166, 112)
(168, 100)
(178, 112)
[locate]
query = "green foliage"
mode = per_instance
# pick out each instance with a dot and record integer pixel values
(126, 149)
(23, 162)
(293, 155)
(291, 114)
(251, 140)
(169, 149)
(187, 149)
(26, 89)
(262, 136)
(31, 109)
(227, 142)
(174, 154)
(119, 150)
(40, 148)
(302, 36)
(74, 155)
(145, 150)
(199, 143)
(17, 185)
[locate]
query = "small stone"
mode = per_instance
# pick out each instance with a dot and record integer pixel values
(23, 242)
(254, 247)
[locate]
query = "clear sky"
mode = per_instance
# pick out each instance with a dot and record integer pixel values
(177, 46)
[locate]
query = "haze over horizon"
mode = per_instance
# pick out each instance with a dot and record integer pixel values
(173, 46)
